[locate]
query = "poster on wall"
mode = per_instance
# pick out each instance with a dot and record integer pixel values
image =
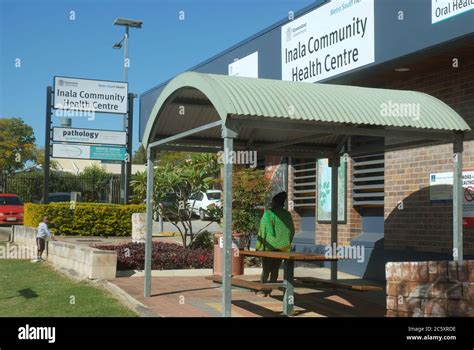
(334, 38)
(324, 192)
(441, 191)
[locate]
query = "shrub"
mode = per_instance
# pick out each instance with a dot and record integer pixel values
(85, 219)
(251, 189)
(204, 240)
(165, 256)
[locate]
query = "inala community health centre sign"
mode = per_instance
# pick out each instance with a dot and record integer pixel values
(441, 191)
(90, 95)
(334, 38)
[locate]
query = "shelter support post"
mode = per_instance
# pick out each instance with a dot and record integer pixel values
(457, 200)
(229, 133)
(149, 222)
(334, 163)
(289, 296)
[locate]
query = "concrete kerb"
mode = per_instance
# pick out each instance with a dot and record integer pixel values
(181, 272)
(126, 299)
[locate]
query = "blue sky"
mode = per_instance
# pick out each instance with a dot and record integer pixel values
(48, 43)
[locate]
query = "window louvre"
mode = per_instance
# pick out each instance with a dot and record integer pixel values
(368, 180)
(304, 183)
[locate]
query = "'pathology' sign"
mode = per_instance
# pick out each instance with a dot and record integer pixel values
(102, 137)
(97, 96)
(334, 38)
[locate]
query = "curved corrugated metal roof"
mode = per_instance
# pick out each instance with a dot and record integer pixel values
(321, 103)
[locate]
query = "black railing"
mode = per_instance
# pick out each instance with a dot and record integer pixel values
(29, 186)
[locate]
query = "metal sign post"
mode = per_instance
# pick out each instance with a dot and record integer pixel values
(128, 156)
(47, 144)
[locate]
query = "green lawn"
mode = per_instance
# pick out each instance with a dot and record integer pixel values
(35, 289)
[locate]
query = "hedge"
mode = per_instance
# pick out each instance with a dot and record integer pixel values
(86, 219)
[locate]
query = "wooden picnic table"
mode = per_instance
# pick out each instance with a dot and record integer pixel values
(289, 259)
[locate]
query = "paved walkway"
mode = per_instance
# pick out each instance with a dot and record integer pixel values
(197, 297)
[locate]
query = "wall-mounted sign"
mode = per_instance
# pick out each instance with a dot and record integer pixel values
(441, 191)
(245, 67)
(332, 39)
(324, 191)
(444, 9)
(88, 152)
(90, 95)
(103, 137)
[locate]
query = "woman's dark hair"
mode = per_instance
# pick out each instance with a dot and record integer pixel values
(278, 200)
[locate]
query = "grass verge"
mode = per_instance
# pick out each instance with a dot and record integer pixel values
(36, 290)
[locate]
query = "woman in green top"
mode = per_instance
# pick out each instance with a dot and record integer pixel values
(275, 234)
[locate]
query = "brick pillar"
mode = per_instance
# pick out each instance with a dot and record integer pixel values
(430, 289)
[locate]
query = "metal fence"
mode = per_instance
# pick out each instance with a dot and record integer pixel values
(29, 186)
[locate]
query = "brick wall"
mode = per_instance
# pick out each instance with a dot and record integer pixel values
(430, 289)
(347, 231)
(422, 226)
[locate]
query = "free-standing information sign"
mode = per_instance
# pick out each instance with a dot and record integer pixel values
(441, 191)
(103, 137)
(334, 38)
(88, 152)
(90, 95)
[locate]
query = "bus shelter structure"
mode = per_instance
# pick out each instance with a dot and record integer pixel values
(199, 112)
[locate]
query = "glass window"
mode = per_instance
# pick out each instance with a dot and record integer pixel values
(213, 195)
(4, 200)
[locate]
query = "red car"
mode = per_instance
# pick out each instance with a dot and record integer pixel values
(11, 209)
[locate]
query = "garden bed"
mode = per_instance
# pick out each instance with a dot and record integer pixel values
(165, 256)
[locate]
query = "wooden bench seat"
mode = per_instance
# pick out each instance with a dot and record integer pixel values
(340, 284)
(252, 285)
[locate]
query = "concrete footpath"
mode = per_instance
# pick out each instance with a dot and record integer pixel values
(195, 296)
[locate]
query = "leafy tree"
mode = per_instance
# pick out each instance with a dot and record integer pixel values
(140, 156)
(39, 159)
(173, 158)
(250, 191)
(17, 144)
(173, 185)
(166, 157)
(95, 180)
